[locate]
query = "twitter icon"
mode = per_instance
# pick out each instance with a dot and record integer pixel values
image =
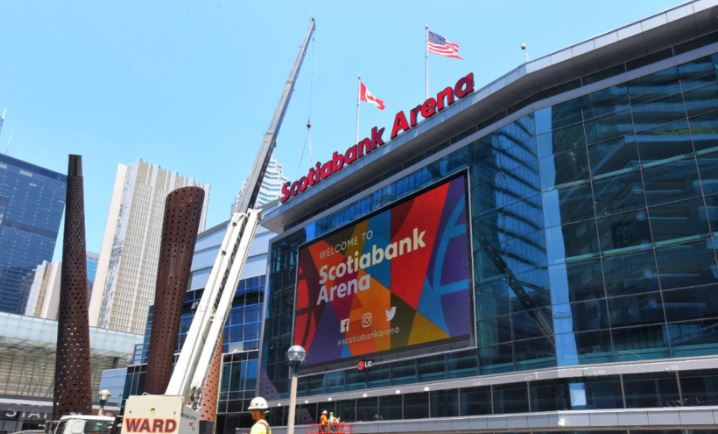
(390, 313)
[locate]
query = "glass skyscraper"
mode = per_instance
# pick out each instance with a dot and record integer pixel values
(32, 200)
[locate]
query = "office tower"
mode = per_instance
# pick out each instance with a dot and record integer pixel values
(43, 287)
(126, 273)
(271, 187)
(92, 259)
(32, 200)
(44, 294)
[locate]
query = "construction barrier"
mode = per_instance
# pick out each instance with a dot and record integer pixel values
(336, 428)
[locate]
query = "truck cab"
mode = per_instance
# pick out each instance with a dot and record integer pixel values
(82, 424)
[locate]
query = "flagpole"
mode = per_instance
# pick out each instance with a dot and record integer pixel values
(357, 118)
(426, 61)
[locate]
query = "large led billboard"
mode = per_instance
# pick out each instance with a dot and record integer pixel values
(399, 279)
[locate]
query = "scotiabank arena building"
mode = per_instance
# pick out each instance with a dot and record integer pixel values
(534, 255)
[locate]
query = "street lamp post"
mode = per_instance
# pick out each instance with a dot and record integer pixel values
(296, 355)
(103, 396)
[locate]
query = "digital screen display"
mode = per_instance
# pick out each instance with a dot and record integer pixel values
(398, 279)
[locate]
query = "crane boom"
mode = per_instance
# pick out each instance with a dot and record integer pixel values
(254, 181)
(211, 314)
(185, 386)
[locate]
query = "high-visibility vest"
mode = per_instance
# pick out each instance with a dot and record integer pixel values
(266, 426)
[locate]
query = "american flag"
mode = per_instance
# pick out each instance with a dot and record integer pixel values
(437, 44)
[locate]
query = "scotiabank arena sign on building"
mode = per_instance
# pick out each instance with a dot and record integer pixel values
(398, 280)
(402, 123)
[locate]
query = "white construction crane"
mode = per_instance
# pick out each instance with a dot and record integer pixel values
(176, 410)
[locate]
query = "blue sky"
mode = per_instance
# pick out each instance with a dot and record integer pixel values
(192, 85)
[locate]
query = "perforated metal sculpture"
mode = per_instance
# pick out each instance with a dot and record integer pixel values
(183, 210)
(73, 373)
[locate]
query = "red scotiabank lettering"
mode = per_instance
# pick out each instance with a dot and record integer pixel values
(145, 425)
(427, 109)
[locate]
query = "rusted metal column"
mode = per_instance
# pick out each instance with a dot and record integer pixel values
(210, 392)
(183, 210)
(73, 373)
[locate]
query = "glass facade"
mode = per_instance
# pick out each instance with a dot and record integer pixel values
(32, 200)
(687, 389)
(241, 331)
(594, 232)
(114, 381)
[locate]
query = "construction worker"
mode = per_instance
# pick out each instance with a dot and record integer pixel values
(324, 421)
(333, 422)
(259, 409)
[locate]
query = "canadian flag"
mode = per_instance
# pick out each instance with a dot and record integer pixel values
(366, 96)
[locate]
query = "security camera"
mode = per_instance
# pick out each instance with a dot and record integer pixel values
(524, 46)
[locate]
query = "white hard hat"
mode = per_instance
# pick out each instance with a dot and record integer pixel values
(258, 403)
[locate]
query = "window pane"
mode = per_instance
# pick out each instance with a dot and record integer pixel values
(390, 407)
(592, 347)
(510, 398)
(618, 192)
(630, 274)
(493, 298)
(699, 387)
(605, 102)
(562, 168)
(461, 364)
(636, 310)
(378, 376)
(602, 393)
(431, 368)
(403, 372)
(568, 204)
(640, 343)
(666, 108)
(534, 353)
(692, 303)
(686, 265)
(531, 324)
(702, 97)
(589, 315)
(696, 338)
(495, 330)
(561, 140)
(584, 280)
(678, 220)
(613, 155)
(497, 358)
(574, 239)
(367, 409)
(306, 414)
(475, 401)
(445, 403)
(550, 396)
(609, 127)
(658, 142)
(704, 130)
(416, 405)
(629, 229)
(671, 182)
(654, 87)
(651, 390)
(345, 410)
(708, 165)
